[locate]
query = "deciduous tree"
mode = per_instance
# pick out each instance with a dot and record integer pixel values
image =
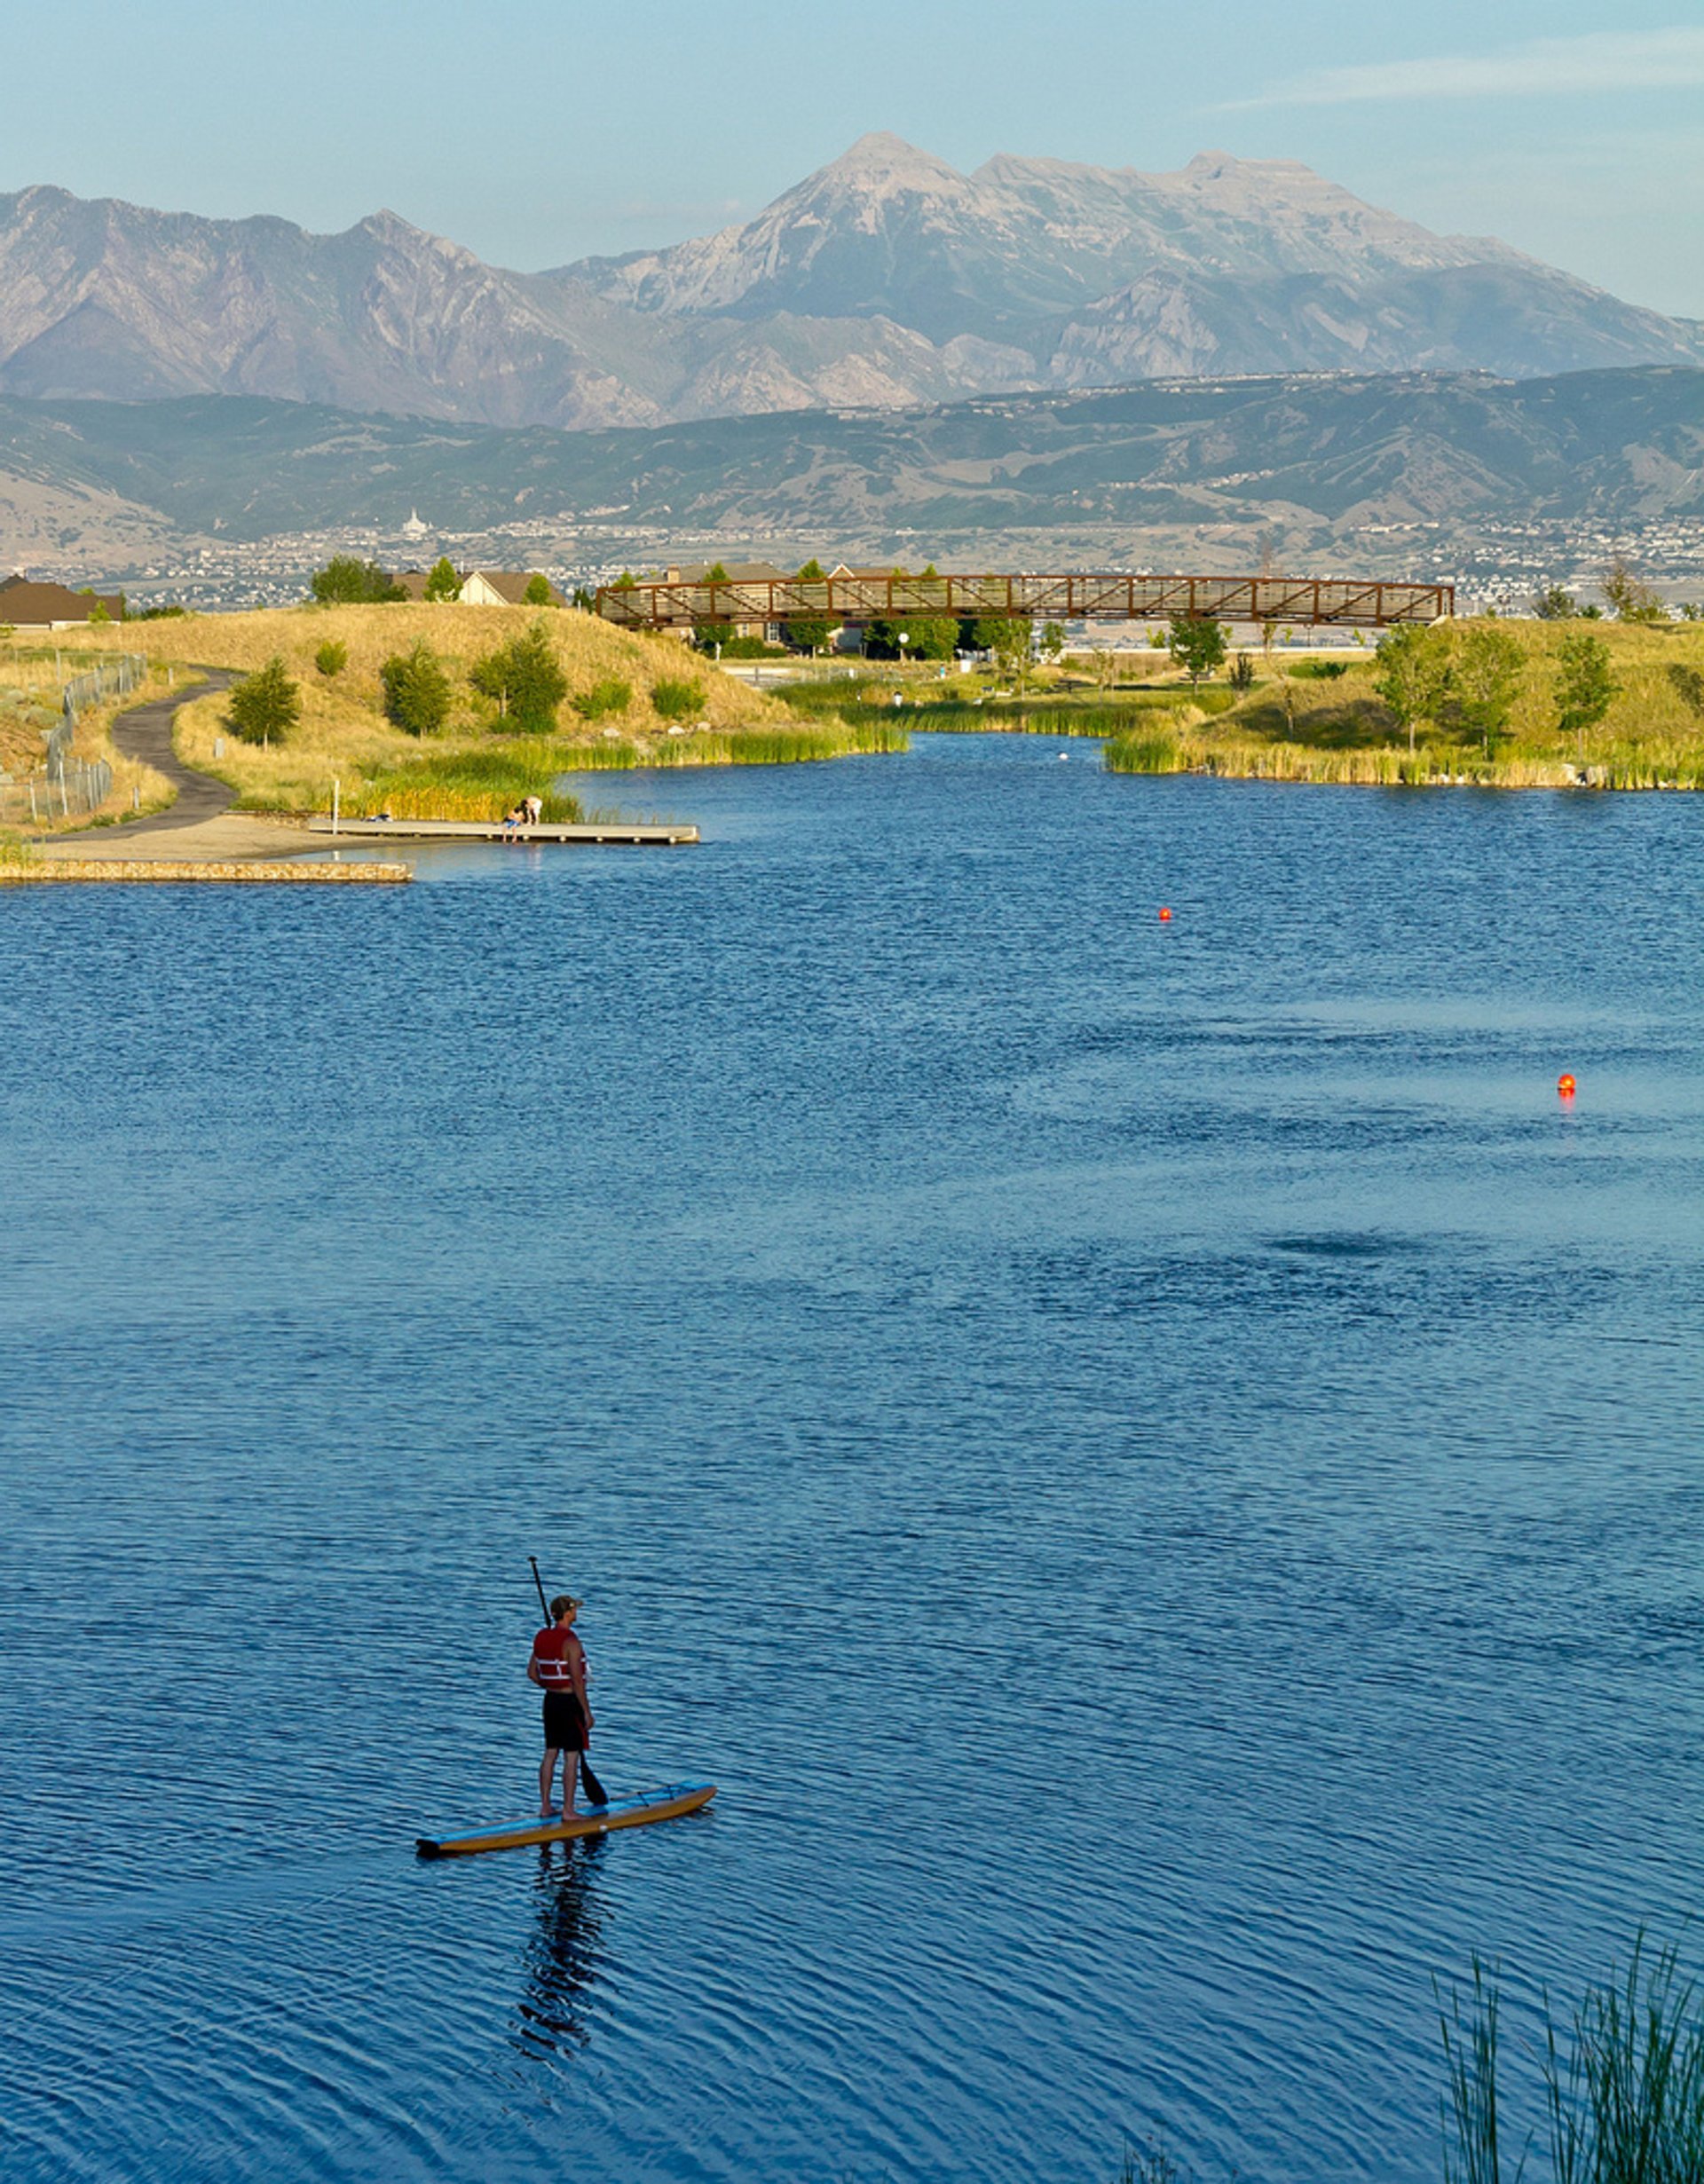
(1411, 674)
(1585, 686)
(443, 584)
(1485, 679)
(538, 592)
(1555, 604)
(347, 582)
(416, 689)
(266, 705)
(525, 679)
(1197, 644)
(1631, 599)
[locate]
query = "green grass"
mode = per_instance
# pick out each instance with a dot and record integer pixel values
(1623, 2082)
(746, 746)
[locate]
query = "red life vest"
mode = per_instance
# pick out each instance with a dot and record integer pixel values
(550, 1650)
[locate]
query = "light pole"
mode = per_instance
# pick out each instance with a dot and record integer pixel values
(904, 639)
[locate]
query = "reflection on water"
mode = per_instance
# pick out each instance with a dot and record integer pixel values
(562, 1956)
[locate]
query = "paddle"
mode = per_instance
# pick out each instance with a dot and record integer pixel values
(595, 1789)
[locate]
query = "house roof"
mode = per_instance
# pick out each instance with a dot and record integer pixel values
(736, 573)
(413, 582)
(510, 584)
(25, 604)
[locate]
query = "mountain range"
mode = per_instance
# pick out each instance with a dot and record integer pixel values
(1342, 469)
(887, 279)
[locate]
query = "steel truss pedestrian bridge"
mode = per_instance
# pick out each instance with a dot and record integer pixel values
(1075, 597)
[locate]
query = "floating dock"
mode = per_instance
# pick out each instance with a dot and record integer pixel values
(483, 831)
(37, 870)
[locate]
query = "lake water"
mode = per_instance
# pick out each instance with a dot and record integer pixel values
(1156, 1463)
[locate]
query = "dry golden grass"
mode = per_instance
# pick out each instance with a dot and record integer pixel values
(343, 734)
(36, 667)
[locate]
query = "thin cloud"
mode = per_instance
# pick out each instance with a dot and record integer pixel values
(1547, 67)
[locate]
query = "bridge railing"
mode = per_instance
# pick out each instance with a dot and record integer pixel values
(1074, 596)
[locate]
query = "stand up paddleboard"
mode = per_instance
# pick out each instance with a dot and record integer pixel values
(600, 1820)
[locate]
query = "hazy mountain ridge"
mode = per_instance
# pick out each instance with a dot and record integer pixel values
(887, 278)
(1315, 462)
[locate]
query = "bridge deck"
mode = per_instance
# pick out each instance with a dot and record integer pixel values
(1074, 596)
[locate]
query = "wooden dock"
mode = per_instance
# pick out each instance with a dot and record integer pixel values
(481, 831)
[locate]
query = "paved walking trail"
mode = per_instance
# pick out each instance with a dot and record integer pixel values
(200, 824)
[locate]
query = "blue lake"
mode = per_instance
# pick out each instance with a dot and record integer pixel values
(1157, 1465)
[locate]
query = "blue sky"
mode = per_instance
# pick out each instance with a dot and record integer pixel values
(536, 134)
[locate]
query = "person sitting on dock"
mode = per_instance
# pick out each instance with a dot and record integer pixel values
(558, 1667)
(516, 816)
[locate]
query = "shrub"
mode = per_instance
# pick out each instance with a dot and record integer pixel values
(331, 658)
(675, 699)
(416, 689)
(265, 705)
(610, 696)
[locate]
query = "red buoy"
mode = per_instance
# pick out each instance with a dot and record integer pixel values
(1565, 1085)
(1165, 917)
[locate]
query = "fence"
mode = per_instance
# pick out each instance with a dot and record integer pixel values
(110, 678)
(74, 787)
(69, 787)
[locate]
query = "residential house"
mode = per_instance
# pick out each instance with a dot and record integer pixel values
(27, 605)
(482, 588)
(504, 587)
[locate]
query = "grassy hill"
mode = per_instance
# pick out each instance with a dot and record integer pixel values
(616, 714)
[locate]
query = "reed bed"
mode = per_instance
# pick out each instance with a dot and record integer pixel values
(752, 746)
(473, 785)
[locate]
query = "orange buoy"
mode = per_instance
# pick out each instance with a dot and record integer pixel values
(1565, 1085)
(1165, 917)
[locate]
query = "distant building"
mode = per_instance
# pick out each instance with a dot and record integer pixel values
(27, 605)
(414, 528)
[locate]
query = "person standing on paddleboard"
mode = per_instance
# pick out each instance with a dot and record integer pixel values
(558, 1667)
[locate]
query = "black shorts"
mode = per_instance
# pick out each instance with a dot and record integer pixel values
(564, 1722)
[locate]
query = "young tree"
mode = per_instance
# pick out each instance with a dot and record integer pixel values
(1585, 687)
(1555, 604)
(1632, 599)
(1411, 674)
(1197, 643)
(1486, 680)
(416, 689)
(331, 658)
(1052, 644)
(538, 592)
(525, 679)
(347, 582)
(443, 584)
(1243, 672)
(265, 705)
(1007, 637)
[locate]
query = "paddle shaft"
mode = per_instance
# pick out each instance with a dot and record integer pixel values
(595, 1789)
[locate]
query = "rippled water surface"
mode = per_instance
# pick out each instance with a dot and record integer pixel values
(1155, 1464)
